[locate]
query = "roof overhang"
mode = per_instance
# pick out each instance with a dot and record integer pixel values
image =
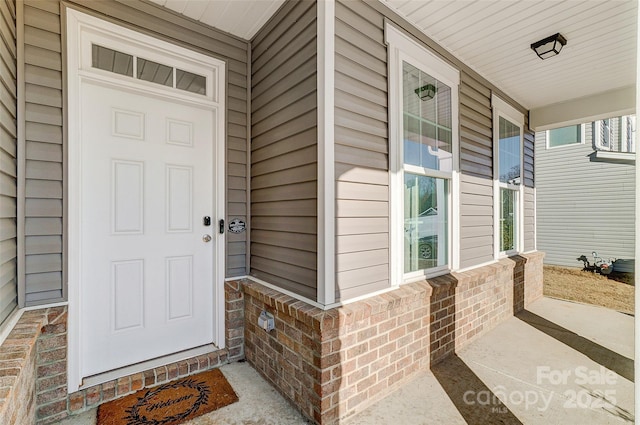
(593, 76)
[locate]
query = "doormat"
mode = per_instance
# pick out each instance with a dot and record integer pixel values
(171, 403)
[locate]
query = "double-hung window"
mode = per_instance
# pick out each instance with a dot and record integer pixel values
(508, 126)
(423, 159)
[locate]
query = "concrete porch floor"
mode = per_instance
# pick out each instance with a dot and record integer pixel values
(556, 363)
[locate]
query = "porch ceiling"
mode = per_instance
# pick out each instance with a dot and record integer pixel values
(493, 38)
(242, 18)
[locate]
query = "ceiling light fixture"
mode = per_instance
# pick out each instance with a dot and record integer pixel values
(426, 92)
(549, 46)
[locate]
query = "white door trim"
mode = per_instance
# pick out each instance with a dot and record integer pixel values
(81, 28)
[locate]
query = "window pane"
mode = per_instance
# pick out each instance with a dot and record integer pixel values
(191, 82)
(629, 132)
(112, 61)
(427, 120)
(564, 136)
(425, 222)
(605, 136)
(508, 219)
(509, 154)
(155, 72)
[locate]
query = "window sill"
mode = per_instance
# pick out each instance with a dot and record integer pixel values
(506, 254)
(412, 278)
(614, 156)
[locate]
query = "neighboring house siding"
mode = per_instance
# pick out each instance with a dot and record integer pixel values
(44, 128)
(8, 163)
(583, 206)
(361, 151)
(284, 150)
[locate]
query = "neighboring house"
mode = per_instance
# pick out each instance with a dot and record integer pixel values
(164, 182)
(586, 192)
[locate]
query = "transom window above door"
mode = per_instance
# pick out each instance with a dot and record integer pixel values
(145, 66)
(147, 70)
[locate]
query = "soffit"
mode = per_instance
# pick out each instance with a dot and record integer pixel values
(493, 37)
(242, 18)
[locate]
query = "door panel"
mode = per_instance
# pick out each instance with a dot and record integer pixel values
(147, 179)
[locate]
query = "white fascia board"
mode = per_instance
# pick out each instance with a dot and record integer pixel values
(326, 276)
(612, 103)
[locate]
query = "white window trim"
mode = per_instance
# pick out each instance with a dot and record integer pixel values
(618, 138)
(504, 110)
(403, 48)
(597, 133)
(580, 143)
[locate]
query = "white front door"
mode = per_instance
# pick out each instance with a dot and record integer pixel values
(147, 257)
(145, 193)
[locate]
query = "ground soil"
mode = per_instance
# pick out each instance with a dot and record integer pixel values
(615, 291)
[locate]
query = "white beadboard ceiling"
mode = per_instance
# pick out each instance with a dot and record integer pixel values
(493, 38)
(242, 18)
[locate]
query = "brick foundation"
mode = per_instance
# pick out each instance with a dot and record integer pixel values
(466, 305)
(33, 366)
(332, 364)
(18, 369)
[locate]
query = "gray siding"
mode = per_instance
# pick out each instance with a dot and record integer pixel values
(8, 164)
(583, 206)
(284, 150)
(44, 133)
(44, 152)
(529, 225)
(476, 167)
(361, 151)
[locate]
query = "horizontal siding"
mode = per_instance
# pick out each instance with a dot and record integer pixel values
(362, 147)
(44, 132)
(361, 151)
(43, 184)
(583, 205)
(476, 220)
(8, 161)
(529, 219)
(284, 150)
(476, 179)
(529, 225)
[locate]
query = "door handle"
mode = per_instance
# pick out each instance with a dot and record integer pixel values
(206, 238)
(221, 226)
